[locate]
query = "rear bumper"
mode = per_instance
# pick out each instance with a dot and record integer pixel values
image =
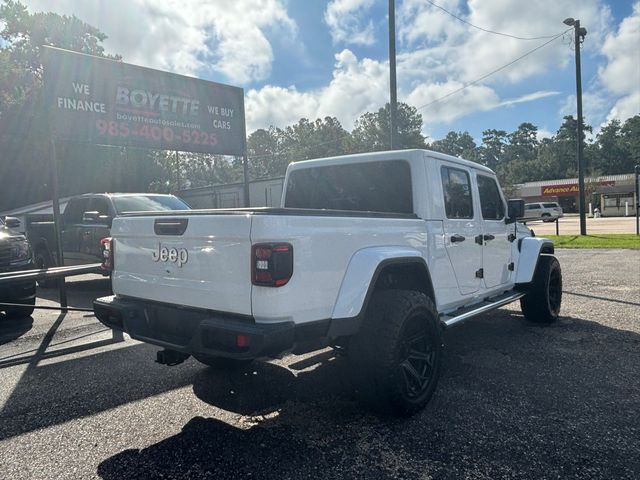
(195, 331)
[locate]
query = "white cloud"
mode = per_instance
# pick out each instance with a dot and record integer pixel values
(348, 21)
(529, 97)
(186, 36)
(544, 133)
(472, 99)
(462, 52)
(362, 85)
(357, 86)
(621, 74)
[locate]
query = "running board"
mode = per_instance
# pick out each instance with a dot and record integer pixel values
(487, 305)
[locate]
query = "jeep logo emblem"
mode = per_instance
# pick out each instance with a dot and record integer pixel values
(179, 256)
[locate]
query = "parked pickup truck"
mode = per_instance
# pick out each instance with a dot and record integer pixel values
(15, 255)
(372, 254)
(85, 222)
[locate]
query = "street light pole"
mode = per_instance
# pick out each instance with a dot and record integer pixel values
(393, 104)
(580, 33)
(637, 179)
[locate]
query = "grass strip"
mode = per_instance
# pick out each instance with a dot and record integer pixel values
(612, 240)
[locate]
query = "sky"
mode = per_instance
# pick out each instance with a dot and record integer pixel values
(317, 58)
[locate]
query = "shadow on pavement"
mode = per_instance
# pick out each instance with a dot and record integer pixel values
(606, 299)
(68, 389)
(515, 400)
(80, 293)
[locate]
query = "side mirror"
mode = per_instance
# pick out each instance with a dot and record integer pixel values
(515, 210)
(12, 222)
(90, 217)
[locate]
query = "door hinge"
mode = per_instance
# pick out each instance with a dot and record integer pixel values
(480, 273)
(511, 267)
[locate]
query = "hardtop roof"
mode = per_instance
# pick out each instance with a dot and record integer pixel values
(388, 156)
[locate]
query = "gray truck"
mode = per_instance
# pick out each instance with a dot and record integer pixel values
(86, 221)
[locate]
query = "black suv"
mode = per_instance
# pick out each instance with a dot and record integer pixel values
(15, 255)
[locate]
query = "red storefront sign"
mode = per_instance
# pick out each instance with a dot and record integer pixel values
(567, 190)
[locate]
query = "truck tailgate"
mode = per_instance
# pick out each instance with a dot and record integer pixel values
(199, 260)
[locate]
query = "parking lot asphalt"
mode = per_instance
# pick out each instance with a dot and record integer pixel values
(570, 225)
(515, 400)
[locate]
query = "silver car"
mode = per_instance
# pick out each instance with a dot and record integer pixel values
(545, 211)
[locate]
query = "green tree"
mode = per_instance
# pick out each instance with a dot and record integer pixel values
(493, 148)
(458, 144)
(630, 138)
(372, 130)
(24, 162)
(523, 143)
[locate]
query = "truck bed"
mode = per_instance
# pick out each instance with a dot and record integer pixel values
(217, 272)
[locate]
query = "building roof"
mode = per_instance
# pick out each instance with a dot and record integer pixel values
(562, 181)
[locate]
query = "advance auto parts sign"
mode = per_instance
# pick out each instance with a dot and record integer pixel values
(102, 101)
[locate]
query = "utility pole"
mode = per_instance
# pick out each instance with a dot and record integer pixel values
(393, 104)
(580, 33)
(637, 179)
(177, 171)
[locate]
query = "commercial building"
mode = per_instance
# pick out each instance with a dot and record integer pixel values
(613, 195)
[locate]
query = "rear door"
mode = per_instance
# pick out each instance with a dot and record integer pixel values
(461, 226)
(496, 251)
(74, 232)
(201, 261)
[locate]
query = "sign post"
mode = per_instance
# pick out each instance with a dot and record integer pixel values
(62, 288)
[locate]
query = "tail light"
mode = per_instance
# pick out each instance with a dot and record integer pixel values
(108, 249)
(271, 264)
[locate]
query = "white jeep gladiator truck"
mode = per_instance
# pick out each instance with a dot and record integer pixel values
(373, 254)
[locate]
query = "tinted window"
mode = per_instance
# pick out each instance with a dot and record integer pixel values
(550, 205)
(148, 203)
(531, 206)
(100, 205)
(366, 187)
(74, 210)
(457, 193)
(490, 199)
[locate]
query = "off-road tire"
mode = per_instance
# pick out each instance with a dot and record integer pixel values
(223, 363)
(382, 355)
(21, 312)
(542, 302)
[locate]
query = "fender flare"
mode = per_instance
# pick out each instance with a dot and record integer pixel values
(359, 282)
(530, 250)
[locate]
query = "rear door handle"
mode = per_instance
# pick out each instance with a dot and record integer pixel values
(488, 237)
(457, 238)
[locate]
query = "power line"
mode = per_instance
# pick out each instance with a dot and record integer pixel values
(486, 29)
(467, 85)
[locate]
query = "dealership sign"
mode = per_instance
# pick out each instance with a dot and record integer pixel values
(103, 101)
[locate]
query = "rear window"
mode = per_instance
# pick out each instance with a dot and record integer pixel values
(366, 187)
(148, 203)
(550, 205)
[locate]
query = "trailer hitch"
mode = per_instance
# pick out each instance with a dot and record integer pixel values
(170, 357)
